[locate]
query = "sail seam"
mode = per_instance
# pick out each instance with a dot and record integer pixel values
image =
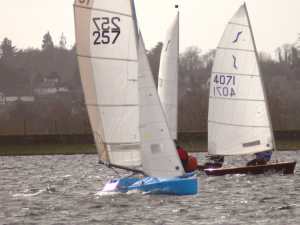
(150, 123)
(236, 49)
(122, 143)
(238, 99)
(239, 24)
(104, 105)
(168, 79)
(239, 74)
(103, 10)
(168, 104)
(106, 58)
(236, 125)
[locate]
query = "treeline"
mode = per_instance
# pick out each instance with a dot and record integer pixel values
(49, 76)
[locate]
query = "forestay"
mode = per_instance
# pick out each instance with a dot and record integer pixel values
(238, 120)
(168, 76)
(159, 155)
(107, 55)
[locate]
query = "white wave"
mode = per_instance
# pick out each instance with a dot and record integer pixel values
(26, 195)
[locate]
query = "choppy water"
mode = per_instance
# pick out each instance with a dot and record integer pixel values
(60, 190)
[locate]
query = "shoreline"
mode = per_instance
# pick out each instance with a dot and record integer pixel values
(84, 143)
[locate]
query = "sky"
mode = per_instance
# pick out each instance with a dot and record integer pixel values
(202, 22)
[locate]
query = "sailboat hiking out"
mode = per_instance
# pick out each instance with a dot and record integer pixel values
(126, 116)
(238, 119)
(168, 87)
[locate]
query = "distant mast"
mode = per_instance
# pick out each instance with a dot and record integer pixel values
(238, 119)
(168, 75)
(106, 37)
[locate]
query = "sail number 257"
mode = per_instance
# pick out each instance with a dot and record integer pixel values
(224, 85)
(107, 30)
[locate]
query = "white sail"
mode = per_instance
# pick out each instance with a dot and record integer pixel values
(159, 155)
(107, 55)
(238, 120)
(168, 76)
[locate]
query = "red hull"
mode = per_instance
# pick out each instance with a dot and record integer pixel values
(276, 167)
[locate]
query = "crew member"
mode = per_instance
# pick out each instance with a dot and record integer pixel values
(261, 158)
(215, 161)
(189, 162)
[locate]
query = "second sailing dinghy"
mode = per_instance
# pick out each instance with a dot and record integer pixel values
(239, 121)
(119, 101)
(168, 84)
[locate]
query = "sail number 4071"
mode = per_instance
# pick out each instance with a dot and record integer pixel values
(224, 85)
(107, 30)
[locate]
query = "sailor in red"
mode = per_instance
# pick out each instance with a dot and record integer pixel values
(189, 162)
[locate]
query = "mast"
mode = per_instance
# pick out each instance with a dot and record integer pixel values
(178, 28)
(261, 80)
(135, 23)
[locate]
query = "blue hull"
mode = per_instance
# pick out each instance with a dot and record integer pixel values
(186, 185)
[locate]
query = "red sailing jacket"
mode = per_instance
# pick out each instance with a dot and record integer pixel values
(182, 154)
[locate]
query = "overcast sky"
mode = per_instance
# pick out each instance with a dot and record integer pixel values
(202, 22)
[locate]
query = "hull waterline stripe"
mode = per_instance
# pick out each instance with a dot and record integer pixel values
(102, 10)
(238, 99)
(106, 58)
(236, 125)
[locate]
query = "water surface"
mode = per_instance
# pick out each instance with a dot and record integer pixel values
(58, 190)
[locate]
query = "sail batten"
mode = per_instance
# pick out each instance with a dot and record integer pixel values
(238, 99)
(106, 106)
(103, 10)
(237, 125)
(109, 59)
(236, 49)
(239, 24)
(238, 113)
(237, 74)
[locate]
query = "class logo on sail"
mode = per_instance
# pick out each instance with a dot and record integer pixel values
(237, 37)
(234, 62)
(169, 42)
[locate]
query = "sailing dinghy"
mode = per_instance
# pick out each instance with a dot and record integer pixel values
(239, 120)
(126, 116)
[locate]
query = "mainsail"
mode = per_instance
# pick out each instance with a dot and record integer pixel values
(168, 76)
(106, 38)
(159, 155)
(238, 120)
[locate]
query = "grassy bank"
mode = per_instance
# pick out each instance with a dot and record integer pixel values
(196, 145)
(83, 144)
(47, 149)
